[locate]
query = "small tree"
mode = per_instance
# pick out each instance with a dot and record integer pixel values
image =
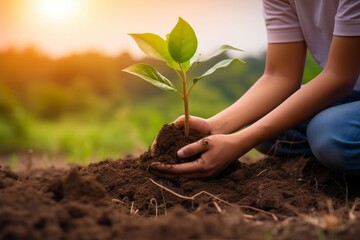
(178, 52)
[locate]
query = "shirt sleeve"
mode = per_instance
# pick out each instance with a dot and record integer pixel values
(347, 19)
(282, 23)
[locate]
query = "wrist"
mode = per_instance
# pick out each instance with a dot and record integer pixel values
(247, 138)
(215, 126)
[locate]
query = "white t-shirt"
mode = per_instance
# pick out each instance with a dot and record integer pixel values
(314, 21)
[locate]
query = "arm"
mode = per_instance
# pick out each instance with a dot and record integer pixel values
(335, 81)
(282, 77)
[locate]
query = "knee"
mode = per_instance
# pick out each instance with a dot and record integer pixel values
(331, 144)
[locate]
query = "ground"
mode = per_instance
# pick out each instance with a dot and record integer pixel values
(120, 199)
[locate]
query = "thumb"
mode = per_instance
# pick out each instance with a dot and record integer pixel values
(179, 122)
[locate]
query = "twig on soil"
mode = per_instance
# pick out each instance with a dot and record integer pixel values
(352, 216)
(260, 210)
(114, 200)
(132, 211)
(326, 221)
(154, 203)
(217, 206)
(261, 172)
(248, 216)
(162, 194)
(215, 197)
(193, 196)
(275, 147)
(124, 201)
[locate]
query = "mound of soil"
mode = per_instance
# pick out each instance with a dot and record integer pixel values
(169, 140)
(120, 199)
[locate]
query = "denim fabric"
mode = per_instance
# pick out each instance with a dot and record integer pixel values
(332, 137)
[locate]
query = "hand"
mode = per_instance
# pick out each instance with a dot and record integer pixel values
(196, 123)
(218, 151)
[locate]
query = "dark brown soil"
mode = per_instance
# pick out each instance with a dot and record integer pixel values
(169, 140)
(120, 199)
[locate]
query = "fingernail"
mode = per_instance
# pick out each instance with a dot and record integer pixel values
(154, 164)
(180, 153)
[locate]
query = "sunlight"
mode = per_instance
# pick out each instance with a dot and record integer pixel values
(57, 10)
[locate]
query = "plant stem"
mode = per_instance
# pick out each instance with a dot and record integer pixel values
(186, 103)
(186, 111)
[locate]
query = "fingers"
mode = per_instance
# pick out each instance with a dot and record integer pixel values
(195, 148)
(194, 169)
(217, 152)
(196, 123)
(179, 169)
(179, 122)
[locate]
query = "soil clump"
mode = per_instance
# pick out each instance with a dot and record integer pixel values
(169, 140)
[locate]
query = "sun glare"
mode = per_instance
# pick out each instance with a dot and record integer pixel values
(57, 10)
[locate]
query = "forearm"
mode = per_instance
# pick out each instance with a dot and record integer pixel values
(266, 94)
(321, 92)
(335, 81)
(278, 82)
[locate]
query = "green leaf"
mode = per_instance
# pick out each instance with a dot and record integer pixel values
(221, 64)
(154, 46)
(151, 75)
(182, 43)
(174, 64)
(222, 49)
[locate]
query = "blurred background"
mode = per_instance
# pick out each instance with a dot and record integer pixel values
(63, 96)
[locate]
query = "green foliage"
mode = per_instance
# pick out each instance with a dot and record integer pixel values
(12, 121)
(221, 50)
(154, 46)
(83, 142)
(151, 75)
(222, 64)
(177, 51)
(234, 81)
(179, 48)
(182, 42)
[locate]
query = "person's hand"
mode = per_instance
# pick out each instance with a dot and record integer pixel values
(217, 152)
(196, 123)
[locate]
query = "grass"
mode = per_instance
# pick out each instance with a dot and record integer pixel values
(83, 141)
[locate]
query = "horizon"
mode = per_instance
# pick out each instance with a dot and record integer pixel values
(67, 27)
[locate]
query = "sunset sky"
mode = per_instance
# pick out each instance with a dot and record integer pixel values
(61, 27)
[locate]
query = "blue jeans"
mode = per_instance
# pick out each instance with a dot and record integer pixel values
(332, 137)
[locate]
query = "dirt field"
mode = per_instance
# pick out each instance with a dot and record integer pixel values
(120, 199)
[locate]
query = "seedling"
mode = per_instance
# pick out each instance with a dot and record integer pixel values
(178, 51)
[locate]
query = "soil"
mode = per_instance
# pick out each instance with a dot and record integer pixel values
(120, 199)
(169, 140)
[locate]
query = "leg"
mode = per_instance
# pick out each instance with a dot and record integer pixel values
(292, 143)
(334, 137)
